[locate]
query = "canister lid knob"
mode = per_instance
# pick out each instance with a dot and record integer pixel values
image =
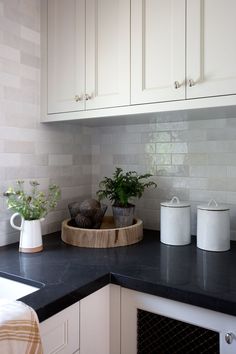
(175, 203)
(174, 199)
(212, 205)
(213, 201)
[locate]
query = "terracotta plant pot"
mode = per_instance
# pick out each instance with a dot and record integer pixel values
(123, 216)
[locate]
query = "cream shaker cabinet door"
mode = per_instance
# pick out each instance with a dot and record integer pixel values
(157, 50)
(107, 53)
(100, 321)
(60, 333)
(211, 48)
(94, 322)
(66, 55)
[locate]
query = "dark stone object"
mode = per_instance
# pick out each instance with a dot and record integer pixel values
(73, 209)
(89, 207)
(87, 214)
(83, 222)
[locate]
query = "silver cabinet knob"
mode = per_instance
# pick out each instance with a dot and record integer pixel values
(229, 338)
(176, 85)
(191, 83)
(87, 97)
(78, 98)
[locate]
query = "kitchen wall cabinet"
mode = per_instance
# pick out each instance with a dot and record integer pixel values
(157, 50)
(66, 55)
(60, 333)
(107, 53)
(88, 54)
(107, 58)
(131, 301)
(211, 48)
(159, 31)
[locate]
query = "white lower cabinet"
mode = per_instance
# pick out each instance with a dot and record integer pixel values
(100, 322)
(91, 326)
(106, 322)
(131, 301)
(60, 333)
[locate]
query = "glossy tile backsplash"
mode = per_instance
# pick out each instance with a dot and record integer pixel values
(195, 160)
(30, 150)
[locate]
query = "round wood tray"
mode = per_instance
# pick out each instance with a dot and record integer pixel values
(105, 237)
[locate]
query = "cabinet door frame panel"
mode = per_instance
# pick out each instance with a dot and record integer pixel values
(68, 102)
(122, 96)
(197, 51)
(139, 92)
(65, 322)
(132, 300)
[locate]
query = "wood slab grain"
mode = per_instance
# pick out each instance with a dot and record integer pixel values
(106, 237)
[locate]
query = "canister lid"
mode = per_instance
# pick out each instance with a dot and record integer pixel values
(175, 203)
(213, 206)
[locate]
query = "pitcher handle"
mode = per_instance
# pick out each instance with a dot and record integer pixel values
(12, 222)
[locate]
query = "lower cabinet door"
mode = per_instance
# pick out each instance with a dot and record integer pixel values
(151, 324)
(100, 321)
(94, 321)
(60, 333)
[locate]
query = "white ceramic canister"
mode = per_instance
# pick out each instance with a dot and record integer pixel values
(175, 222)
(213, 227)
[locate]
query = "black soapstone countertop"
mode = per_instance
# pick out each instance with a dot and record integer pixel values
(68, 273)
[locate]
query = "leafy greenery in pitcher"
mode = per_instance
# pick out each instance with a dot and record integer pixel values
(35, 204)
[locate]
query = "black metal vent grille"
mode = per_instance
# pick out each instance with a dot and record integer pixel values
(162, 335)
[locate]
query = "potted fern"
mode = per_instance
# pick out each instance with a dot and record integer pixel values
(120, 189)
(32, 207)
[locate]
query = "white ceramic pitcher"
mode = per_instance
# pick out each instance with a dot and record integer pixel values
(30, 234)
